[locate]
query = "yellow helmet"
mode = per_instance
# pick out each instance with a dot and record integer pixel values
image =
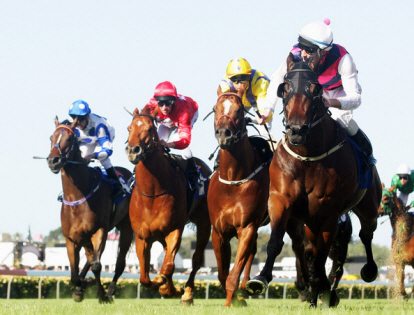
(238, 66)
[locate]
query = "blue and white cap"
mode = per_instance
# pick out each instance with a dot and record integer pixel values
(79, 108)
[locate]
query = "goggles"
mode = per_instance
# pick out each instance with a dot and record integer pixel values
(240, 78)
(404, 176)
(167, 103)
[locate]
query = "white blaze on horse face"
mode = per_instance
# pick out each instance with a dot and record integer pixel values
(139, 123)
(227, 105)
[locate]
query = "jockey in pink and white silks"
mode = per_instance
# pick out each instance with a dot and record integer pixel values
(95, 135)
(337, 73)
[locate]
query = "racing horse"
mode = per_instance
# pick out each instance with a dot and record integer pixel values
(87, 212)
(402, 224)
(237, 194)
(314, 178)
(160, 208)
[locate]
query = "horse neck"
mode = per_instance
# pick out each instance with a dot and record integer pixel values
(76, 178)
(237, 162)
(154, 173)
(320, 139)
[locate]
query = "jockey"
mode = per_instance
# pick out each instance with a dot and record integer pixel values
(95, 136)
(241, 77)
(337, 74)
(403, 181)
(176, 115)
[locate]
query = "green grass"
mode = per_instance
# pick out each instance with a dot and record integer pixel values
(172, 307)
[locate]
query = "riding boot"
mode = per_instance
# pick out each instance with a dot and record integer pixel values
(118, 189)
(191, 173)
(364, 144)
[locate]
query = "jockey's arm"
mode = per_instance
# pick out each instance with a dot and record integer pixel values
(352, 90)
(104, 142)
(275, 80)
(260, 90)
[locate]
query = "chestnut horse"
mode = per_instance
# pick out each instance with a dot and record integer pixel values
(159, 207)
(237, 194)
(314, 178)
(402, 224)
(87, 211)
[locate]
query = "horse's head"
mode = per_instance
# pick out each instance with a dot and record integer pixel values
(303, 107)
(390, 205)
(63, 145)
(142, 138)
(229, 121)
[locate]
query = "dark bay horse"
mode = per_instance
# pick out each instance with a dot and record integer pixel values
(237, 194)
(313, 178)
(159, 208)
(402, 224)
(87, 211)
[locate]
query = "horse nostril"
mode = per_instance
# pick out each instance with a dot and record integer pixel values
(136, 149)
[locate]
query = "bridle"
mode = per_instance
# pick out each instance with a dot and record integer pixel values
(240, 131)
(299, 80)
(144, 150)
(65, 156)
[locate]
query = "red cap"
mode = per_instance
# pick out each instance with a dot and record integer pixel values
(165, 88)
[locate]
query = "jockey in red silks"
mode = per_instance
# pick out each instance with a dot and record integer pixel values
(176, 115)
(337, 73)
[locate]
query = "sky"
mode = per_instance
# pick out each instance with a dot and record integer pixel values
(113, 53)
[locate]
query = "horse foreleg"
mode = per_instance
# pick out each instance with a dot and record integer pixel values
(370, 270)
(248, 266)
(173, 241)
(98, 244)
(124, 244)
(143, 250)
(73, 255)
(278, 220)
(203, 235)
(247, 236)
(222, 251)
(399, 266)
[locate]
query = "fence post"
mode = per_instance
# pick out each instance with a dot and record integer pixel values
(9, 287)
(284, 291)
(267, 293)
(58, 289)
(388, 292)
(139, 290)
(363, 292)
(375, 292)
(39, 290)
(208, 290)
(350, 292)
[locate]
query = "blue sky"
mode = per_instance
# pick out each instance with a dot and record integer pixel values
(113, 53)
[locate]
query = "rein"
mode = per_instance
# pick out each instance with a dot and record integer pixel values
(311, 158)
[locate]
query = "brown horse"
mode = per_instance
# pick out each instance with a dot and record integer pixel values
(314, 179)
(237, 194)
(160, 208)
(402, 224)
(87, 211)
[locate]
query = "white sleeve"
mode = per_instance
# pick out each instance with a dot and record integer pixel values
(351, 88)
(275, 80)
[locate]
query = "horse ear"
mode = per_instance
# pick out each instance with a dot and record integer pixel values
(56, 121)
(135, 112)
(290, 62)
(219, 91)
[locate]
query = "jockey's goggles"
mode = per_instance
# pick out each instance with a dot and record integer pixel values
(240, 78)
(403, 176)
(167, 103)
(80, 118)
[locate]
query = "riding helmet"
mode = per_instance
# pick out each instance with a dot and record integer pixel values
(238, 66)
(318, 34)
(165, 91)
(79, 108)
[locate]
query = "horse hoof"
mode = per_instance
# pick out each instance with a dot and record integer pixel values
(159, 280)
(77, 294)
(334, 300)
(106, 299)
(257, 285)
(111, 290)
(239, 302)
(187, 302)
(369, 272)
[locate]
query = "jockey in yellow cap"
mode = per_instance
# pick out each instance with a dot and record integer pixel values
(240, 76)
